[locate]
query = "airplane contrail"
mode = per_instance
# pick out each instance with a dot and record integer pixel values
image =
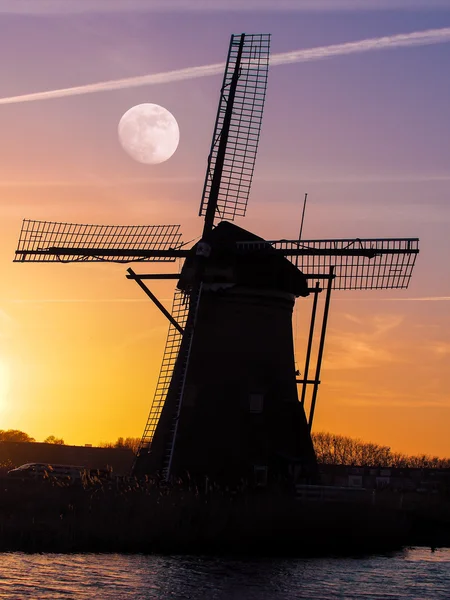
(402, 40)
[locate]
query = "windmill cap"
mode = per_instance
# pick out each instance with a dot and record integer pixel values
(229, 264)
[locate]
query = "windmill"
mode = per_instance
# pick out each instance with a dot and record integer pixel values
(226, 404)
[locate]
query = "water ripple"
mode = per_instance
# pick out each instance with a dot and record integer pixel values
(416, 574)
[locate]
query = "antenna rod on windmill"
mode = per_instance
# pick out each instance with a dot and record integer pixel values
(301, 224)
(303, 217)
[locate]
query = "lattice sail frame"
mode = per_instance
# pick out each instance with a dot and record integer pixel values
(180, 310)
(46, 241)
(359, 264)
(245, 126)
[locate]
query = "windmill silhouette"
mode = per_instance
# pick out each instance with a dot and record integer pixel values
(226, 404)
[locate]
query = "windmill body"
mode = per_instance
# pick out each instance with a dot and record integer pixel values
(240, 417)
(226, 405)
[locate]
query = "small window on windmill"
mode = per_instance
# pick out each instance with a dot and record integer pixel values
(256, 403)
(260, 474)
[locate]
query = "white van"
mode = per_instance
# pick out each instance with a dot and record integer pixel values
(44, 470)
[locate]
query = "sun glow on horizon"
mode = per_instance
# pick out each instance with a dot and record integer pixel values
(5, 383)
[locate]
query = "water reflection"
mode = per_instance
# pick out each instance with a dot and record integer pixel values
(416, 574)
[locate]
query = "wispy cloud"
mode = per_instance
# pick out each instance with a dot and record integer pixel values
(352, 178)
(5, 319)
(347, 316)
(81, 301)
(419, 299)
(365, 348)
(63, 7)
(96, 183)
(85, 301)
(189, 179)
(422, 299)
(440, 349)
(403, 40)
(396, 400)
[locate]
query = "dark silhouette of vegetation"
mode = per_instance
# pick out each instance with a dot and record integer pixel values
(334, 449)
(104, 513)
(51, 439)
(15, 435)
(331, 449)
(126, 515)
(132, 443)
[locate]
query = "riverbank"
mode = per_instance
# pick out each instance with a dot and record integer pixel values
(128, 517)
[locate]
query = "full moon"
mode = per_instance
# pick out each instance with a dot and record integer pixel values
(149, 133)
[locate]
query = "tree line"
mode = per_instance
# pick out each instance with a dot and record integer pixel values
(15, 435)
(331, 449)
(334, 449)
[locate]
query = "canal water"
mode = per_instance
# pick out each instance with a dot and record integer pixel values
(414, 574)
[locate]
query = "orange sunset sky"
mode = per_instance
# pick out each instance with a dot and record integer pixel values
(366, 134)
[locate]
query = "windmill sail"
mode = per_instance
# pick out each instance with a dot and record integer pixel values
(359, 264)
(180, 309)
(170, 388)
(46, 241)
(236, 134)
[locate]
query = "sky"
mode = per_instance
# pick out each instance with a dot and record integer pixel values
(357, 115)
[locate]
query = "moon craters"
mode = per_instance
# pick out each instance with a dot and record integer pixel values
(149, 133)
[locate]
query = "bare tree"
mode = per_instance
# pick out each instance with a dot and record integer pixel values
(334, 449)
(131, 443)
(51, 439)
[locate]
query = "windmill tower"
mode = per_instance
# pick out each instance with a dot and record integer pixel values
(226, 404)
